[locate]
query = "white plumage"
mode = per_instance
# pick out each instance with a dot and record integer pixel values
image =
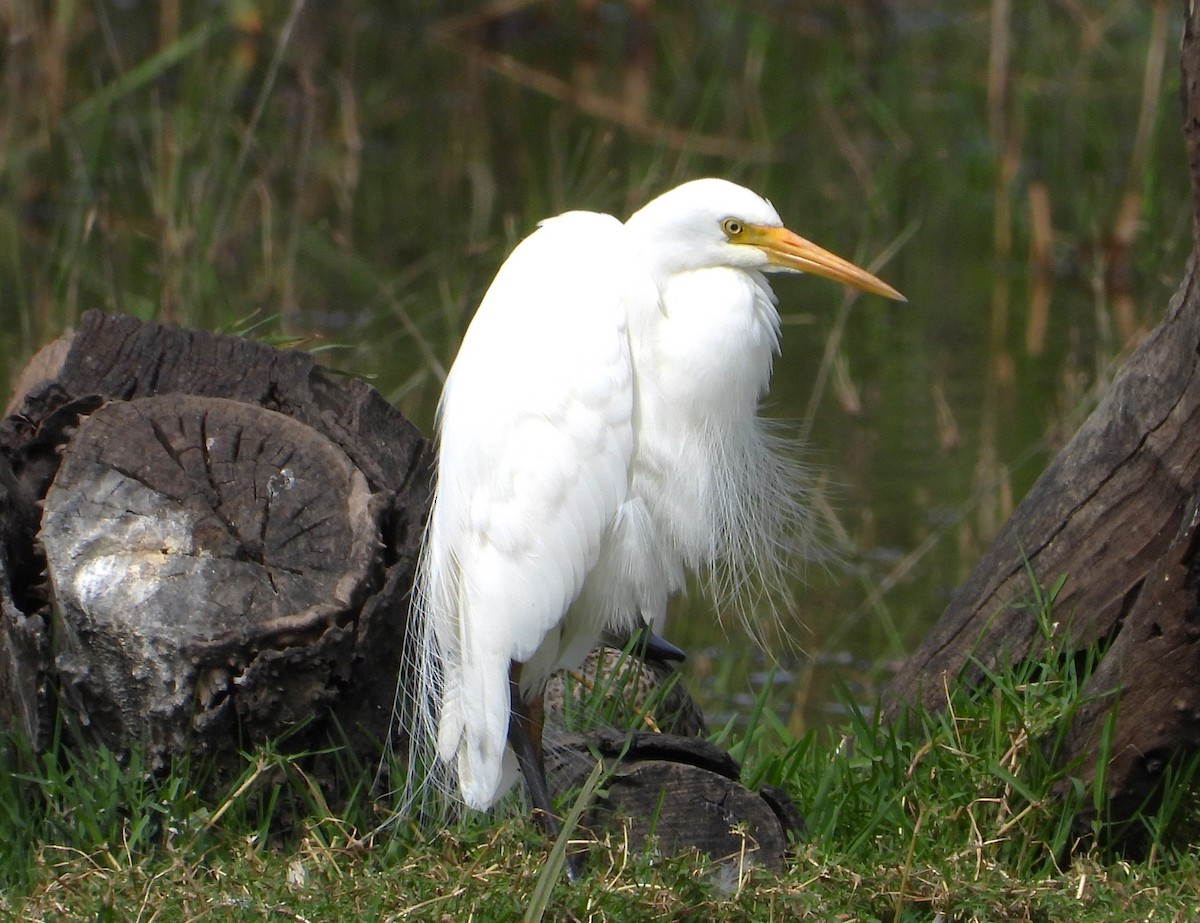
(598, 438)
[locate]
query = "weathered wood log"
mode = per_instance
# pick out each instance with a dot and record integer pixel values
(682, 792)
(666, 786)
(1152, 674)
(1115, 515)
(227, 545)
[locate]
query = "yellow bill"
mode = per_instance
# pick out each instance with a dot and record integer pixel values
(791, 251)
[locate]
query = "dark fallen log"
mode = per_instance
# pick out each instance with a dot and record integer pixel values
(636, 692)
(1115, 515)
(673, 790)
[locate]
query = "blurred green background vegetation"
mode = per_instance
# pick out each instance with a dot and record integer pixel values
(347, 177)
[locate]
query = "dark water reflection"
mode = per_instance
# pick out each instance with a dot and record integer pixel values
(375, 168)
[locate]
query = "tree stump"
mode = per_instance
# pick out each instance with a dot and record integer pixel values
(225, 551)
(191, 540)
(1115, 514)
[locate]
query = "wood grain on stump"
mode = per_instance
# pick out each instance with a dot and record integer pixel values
(184, 537)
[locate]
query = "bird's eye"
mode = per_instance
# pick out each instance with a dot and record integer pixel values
(732, 227)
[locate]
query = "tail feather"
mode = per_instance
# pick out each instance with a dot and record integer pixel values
(457, 719)
(473, 728)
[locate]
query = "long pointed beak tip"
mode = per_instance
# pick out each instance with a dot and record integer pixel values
(874, 286)
(789, 250)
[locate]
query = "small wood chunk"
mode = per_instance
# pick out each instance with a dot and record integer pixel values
(682, 791)
(647, 690)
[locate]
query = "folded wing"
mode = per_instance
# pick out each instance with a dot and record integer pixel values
(536, 437)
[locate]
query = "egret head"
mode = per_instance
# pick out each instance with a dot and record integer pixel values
(713, 222)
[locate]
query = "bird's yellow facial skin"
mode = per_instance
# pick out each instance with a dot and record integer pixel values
(791, 251)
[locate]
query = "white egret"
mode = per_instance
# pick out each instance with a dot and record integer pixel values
(598, 437)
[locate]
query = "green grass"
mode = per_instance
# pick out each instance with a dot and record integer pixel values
(966, 814)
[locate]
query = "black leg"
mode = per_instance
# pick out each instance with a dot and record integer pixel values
(525, 737)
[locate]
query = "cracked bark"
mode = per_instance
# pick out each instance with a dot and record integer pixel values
(1115, 514)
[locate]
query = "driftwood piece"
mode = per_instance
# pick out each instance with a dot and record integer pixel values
(1115, 515)
(682, 791)
(229, 539)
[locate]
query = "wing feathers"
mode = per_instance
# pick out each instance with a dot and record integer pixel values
(536, 436)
